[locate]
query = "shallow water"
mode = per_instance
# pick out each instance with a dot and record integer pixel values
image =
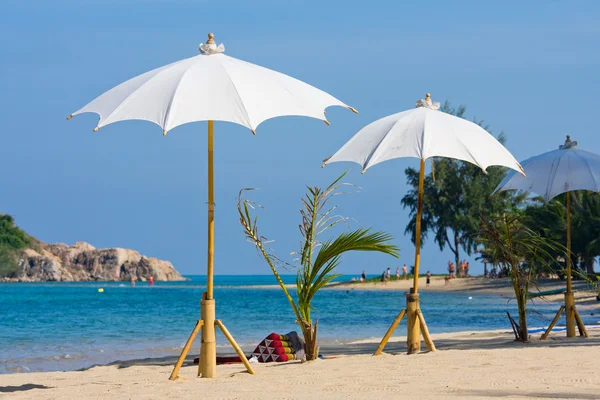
(66, 326)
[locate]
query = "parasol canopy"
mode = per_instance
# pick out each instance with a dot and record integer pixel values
(555, 172)
(424, 132)
(210, 86)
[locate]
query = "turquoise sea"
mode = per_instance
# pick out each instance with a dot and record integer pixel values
(67, 326)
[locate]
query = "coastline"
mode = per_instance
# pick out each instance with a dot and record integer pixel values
(477, 365)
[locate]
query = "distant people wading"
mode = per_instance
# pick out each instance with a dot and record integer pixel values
(451, 269)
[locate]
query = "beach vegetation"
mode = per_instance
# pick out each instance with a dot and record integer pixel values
(317, 258)
(520, 250)
(549, 219)
(12, 240)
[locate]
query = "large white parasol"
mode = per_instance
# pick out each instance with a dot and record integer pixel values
(548, 175)
(422, 132)
(209, 87)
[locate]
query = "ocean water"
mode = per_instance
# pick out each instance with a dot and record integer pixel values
(68, 326)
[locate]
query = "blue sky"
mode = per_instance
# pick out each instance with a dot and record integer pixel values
(528, 68)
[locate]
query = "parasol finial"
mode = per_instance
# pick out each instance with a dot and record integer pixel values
(568, 144)
(427, 103)
(211, 47)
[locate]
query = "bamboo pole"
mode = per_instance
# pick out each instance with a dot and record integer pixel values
(389, 333)
(211, 214)
(556, 317)
(580, 325)
(418, 227)
(208, 357)
(185, 351)
(569, 298)
(425, 332)
(413, 329)
(413, 334)
(570, 313)
(235, 346)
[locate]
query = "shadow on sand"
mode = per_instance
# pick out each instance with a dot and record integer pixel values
(466, 341)
(22, 388)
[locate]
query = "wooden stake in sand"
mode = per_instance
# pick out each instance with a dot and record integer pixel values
(414, 317)
(571, 312)
(207, 365)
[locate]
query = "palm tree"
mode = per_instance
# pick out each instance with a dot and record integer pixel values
(317, 259)
(586, 227)
(512, 245)
(549, 220)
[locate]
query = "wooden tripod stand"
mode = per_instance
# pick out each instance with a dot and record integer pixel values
(208, 352)
(571, 312)
(415, 327)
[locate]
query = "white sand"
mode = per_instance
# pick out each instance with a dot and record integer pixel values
(468, 365)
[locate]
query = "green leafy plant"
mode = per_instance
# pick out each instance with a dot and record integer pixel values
(12, 241)
(317, 259)
(511, 244)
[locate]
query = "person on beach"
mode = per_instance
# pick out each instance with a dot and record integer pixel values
(466, 268)
(383, 277)
(388, 274)
(405, 272)
(428, 279)
(363, 277)
(452, 270)
(398, 273)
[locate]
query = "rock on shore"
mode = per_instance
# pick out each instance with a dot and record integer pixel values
(83, 262)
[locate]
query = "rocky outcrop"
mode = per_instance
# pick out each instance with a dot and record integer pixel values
(83, 262)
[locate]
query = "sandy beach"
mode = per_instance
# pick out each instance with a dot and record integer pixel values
(467, 365)
(585, 297)
(474, 365)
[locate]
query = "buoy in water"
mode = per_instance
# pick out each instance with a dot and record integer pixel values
(100, 290)
(470, 298)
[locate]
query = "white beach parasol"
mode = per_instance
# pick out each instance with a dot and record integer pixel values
(548, 175)
(209, 87)
(422, 132)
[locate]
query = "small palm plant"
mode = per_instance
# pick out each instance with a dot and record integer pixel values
(317, 259)
(511, 244)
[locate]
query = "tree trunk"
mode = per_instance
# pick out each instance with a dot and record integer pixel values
(589, 265)
(522, 304)
(456, 254)
(310, 341)
(485, 271)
